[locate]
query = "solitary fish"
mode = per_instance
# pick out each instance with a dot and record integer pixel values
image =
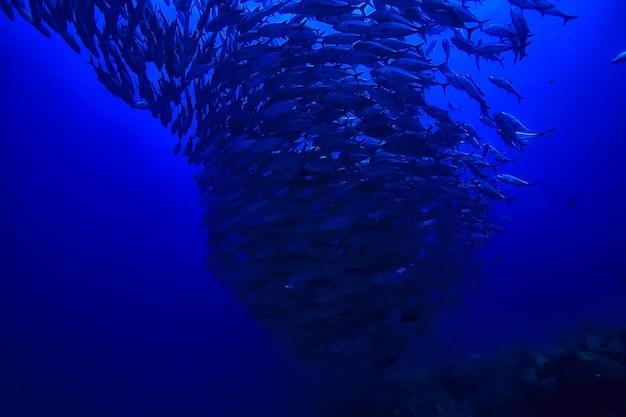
(506, 85)
(553, 11)
(512, 180)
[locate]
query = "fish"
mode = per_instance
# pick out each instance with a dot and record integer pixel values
(544, 7)
(497, 155)
(514, 132)
(445, 45)
(526, 4)
(621, 57)
(553, 11)
(472, 134)
(430, 47)
(501, 31)
(462, 43)
(474, 168)
(470, 86)
(327, 172)
(396, 30)
(493, 48)
(506, 85)
(455, 107)
(521, 29)
(490, 191)
(7, 8)
(177, 148)
(512, 180)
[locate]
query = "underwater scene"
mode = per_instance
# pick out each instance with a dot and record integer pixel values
(313, 208)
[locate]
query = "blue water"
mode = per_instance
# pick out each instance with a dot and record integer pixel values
(106, 308)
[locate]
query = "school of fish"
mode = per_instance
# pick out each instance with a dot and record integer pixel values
(342, 208)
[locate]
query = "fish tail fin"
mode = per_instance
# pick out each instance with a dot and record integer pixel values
(568, 18)
(470, 31)
(521, 50)
(177, 148)
(484, 110)
(479, 26)
(519, 99)
(481, 23)
(362, 8)
(526, 46)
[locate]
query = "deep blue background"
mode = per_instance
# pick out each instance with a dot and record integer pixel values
(105, 308)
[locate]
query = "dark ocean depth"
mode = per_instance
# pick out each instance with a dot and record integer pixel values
(107, 309)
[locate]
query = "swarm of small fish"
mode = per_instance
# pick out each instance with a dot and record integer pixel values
(343, 209)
